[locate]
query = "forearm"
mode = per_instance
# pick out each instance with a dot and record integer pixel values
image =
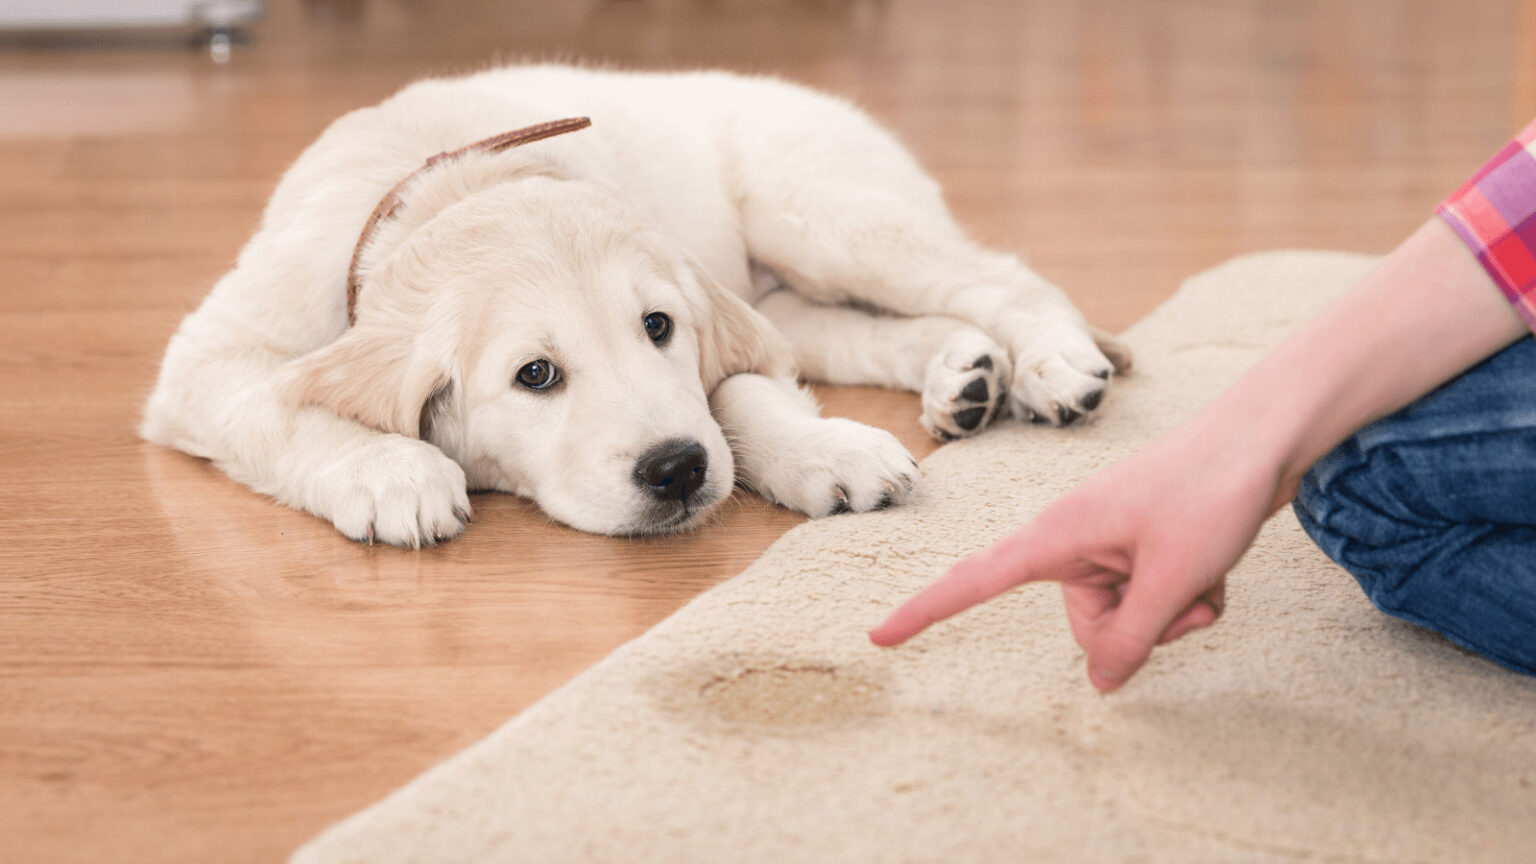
(1423, 315)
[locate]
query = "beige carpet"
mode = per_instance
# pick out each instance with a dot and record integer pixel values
(758, 724)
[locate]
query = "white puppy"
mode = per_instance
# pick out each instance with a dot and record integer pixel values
(572, 319)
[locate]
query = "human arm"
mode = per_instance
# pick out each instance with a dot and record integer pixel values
(1142, 549)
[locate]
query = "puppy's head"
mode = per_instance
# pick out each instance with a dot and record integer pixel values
(551, 342)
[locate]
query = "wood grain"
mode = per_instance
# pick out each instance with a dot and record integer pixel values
(191, 673)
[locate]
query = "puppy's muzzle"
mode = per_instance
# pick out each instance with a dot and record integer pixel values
(673, 469)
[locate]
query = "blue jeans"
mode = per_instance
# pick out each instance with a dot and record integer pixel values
(1433, 509)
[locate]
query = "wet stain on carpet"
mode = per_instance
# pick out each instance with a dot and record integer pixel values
(767, 694)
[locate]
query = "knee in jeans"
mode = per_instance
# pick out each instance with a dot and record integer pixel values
(1366, 511)
(1362, 497)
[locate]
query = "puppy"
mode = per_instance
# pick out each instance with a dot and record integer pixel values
(606, 320)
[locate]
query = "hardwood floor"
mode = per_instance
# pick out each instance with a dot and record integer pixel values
(190, 673)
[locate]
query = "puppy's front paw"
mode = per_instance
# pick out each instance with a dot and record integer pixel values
(839, 466)
(1059, 374)
(964, 388)
(396, 490)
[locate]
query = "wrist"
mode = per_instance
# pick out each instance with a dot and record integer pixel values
(1255, 436)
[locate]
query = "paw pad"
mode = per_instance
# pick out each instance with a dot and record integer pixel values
(966, 386)
(970, 418)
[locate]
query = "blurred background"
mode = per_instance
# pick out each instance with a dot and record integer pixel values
(191, 673)
(1113, 142)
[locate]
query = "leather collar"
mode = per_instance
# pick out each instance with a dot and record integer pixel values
(387, 206)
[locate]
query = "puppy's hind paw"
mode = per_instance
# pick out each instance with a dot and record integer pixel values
(1061, 374)
(965, 386)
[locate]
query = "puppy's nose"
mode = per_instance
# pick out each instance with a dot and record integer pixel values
(672, 470)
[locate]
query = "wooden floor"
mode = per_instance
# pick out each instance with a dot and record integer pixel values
(189, 673)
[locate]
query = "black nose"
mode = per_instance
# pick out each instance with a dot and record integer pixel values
(672, 470)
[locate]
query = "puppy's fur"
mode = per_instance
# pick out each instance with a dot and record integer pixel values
(768, 224)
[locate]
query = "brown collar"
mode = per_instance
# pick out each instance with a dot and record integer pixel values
(386, 207)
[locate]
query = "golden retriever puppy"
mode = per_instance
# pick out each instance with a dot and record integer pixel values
(567, 313)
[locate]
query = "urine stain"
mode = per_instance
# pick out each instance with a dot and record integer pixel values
(776, 694)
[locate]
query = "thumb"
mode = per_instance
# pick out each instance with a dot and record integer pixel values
(1125, 639)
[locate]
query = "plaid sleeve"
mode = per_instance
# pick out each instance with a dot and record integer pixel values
(1495, 214)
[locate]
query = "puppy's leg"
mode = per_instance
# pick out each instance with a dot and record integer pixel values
(221, 398)
(864, 248)
(843, 213)
(961, 372)
(819, 466)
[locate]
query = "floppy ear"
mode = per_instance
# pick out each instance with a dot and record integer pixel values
(376, 378)
(734, 337)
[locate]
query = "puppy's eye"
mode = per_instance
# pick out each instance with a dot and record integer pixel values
(538, 375)
(658, 326)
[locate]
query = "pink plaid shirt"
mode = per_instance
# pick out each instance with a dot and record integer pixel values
(1495, 214)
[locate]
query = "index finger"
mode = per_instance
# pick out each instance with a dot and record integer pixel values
(976, 579)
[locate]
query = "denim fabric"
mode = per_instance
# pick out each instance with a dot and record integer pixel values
(1433, 509)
